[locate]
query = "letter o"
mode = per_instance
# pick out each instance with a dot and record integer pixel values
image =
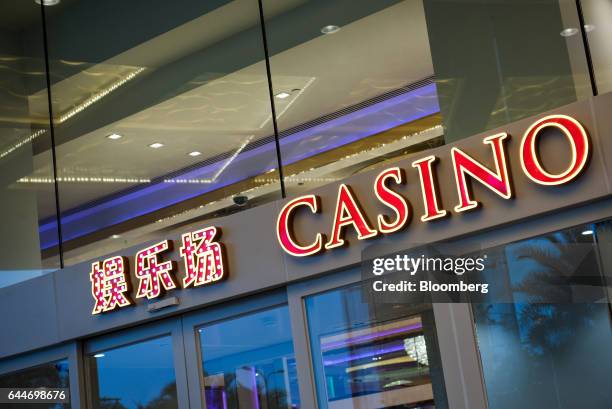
(578, 139)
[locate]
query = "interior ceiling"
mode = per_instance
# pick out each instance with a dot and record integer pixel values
(380, 52)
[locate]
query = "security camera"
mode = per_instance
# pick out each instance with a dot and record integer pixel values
(240, 200)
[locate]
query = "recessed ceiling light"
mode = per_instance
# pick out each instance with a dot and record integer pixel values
(47, 2)
(115, 236)
(195, 153)
(331, 29)
(282, 95)
(156, 145)
(568, 32)
(99, 355)
(589, 27)
(114, 136)
(587, 232)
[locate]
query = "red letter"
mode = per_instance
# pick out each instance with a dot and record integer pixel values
(348, 212)
(284, 231)
(428, 189)
(498, 181)
(578, 139)
(153, 275)
(392, 200)
(203, 256)
(109, 284)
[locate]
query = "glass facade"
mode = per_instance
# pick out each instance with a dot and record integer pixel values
(25, 148)
(123, 120)
(161, 114)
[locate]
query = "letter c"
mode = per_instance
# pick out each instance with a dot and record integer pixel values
(284, 226)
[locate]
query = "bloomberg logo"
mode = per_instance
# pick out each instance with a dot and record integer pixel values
(348, 212)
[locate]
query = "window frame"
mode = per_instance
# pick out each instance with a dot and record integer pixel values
(191, 322)
(168, 327)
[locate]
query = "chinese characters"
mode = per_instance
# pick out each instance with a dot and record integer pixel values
(202, 254)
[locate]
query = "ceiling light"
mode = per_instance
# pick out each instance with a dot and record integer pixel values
(331, 29)
(194, 153)
(589, 27)
(587, 232)
(100, 355)
(568, 32)
(115, 236)
(47, 2)
(156, 145)
(282, 95)
(114, 136)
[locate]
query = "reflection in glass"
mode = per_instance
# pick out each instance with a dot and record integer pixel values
(248, 362)
(550, 346)
(137, 376)
(160, 118)
(27, 211)
(51, 375)
(354, 86)
(507, 60)
(373, 355)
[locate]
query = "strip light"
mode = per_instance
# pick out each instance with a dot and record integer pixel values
(85, 104)
(96, 97)
(23, 142)
(83, 179)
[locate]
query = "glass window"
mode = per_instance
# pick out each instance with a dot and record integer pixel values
(137, 376)
(363, 83)
(373, 355)
(51, 375)
(162, 115)
(546, 343)
(28, 220)
(353, 84)
(248, 362)
(507, 60)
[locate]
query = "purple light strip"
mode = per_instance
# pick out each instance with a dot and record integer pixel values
(368, 337)
(381, 351)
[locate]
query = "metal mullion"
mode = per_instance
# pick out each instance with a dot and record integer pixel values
(52, 135)
(279, 158)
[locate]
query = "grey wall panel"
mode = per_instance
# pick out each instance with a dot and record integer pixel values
(29, 319)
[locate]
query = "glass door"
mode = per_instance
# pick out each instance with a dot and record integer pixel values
(243, 355)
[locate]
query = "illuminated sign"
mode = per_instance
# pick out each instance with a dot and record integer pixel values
(203, 258)
(348, 213)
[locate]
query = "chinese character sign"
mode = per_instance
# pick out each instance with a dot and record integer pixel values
(152, 274)
(203, 257)
(109, 285)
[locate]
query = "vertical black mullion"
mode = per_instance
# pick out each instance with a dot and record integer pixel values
(587, 48)
(279, 158)
(52, 133)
